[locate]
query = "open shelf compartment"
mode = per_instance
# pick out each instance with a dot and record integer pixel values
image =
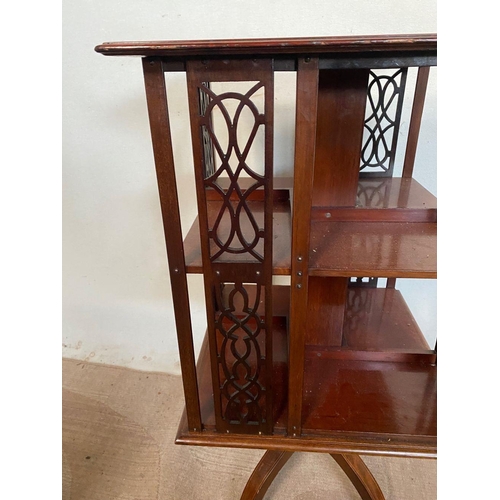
(381, 380)
(376, 397)
(378, 326)
(391, 232)
(376, 392)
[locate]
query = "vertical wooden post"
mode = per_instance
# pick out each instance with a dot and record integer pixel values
(156, 95)
(415, 120)
(391, 283)
(305, 141)
(411, 144)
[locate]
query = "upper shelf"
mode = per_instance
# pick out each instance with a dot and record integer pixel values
(377, 249)
(390, 233)
(393, 402)
(390, 199)
(393, 192)
(376, 238)
(401, 44)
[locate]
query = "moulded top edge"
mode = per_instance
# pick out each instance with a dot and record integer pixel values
(256, 46)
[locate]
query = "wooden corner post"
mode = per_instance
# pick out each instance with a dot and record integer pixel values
(305, 144)
(156, 95)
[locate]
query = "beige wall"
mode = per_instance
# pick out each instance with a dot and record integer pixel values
(117, 300)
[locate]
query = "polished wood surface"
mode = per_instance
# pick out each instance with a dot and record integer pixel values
(349, 214)
(326, 303)
(378, 199)
(374, 397)
(383, 249)
(341, 113)
(315, 45)
(393, 192)
(377, 326)
(391, 355)
(378, 319)
(363, 443)
(339, 134)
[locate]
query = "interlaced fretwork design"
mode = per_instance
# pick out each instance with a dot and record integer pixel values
(240, 238)
(241, 357)
(231, 111)
(383, 116)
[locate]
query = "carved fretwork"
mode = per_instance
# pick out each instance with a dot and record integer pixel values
(241, 355)
(383, 116)
(241, 238)
(236, 238)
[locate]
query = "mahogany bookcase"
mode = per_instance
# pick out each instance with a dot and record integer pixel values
(334, 362)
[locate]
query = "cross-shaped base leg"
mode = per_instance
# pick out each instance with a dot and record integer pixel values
(272, 462)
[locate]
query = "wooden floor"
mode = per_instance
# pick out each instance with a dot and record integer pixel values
(119, 427)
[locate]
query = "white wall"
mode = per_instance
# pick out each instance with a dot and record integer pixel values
(117, 300)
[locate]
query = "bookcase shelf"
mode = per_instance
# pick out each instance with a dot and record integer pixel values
(379, 249)
(352, 389)
(368, 396)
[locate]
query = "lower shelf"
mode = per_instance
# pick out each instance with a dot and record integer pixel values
(378, 326)
(376, 249)
(363, 397)
(369, 396)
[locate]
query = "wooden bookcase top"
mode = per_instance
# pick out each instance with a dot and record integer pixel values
(273, 46)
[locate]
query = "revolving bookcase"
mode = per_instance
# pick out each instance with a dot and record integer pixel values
(334, 362)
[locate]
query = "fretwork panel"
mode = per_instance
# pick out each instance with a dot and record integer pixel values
(383, 116)
(231, 109)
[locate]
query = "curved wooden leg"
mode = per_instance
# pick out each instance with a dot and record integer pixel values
(263, 475)
(360, 476)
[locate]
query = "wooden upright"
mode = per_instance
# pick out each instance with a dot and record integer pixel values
(333, 362)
